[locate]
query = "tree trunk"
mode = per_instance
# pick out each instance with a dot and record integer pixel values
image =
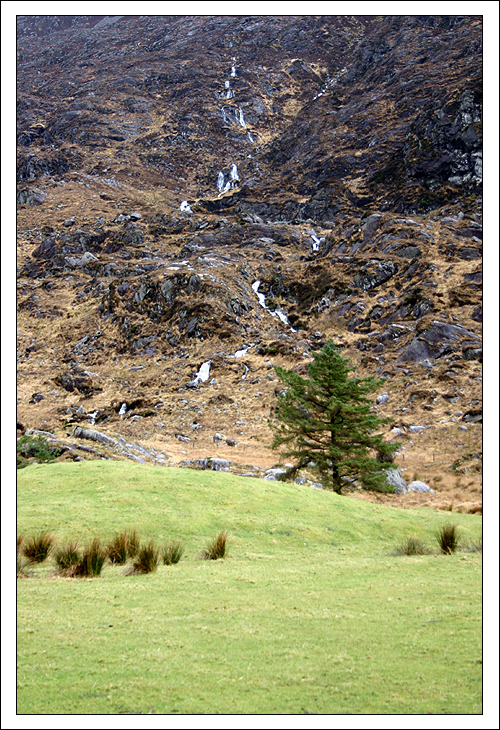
(337, 485)
(335, 472)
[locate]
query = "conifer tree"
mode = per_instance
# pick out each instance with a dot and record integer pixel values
(327, 420)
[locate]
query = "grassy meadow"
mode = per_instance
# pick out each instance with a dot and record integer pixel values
(310, 612)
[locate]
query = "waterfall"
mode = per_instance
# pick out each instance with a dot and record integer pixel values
(123, 409)
(277, 312)
(233, 72)
(243, 351)
(222, 185)
(203, 372)
(240, 119)
(185, 207)
(261, 297)
(249, 137)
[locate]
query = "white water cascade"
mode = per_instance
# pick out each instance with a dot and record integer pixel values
(275, 313)
(240, 119)
(185, 207)
(330, 84)
(234, 174)
(234, 179)
(316, 242)
(242, 352)
(123, 409)
(203, 372)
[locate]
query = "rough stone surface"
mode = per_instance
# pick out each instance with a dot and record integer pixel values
(418, 486)
(395, 479)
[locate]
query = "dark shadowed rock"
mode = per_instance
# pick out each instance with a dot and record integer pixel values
(437, 340)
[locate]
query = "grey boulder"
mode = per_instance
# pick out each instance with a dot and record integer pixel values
(395, 479)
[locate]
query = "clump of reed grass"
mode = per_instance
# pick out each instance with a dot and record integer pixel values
(411, 546)
(133, 543)
(146, 559)
(118, 548)
(448, 539)
(21, 564)
(67, 557)
(22, 568)
(38, 547)
(172, 553)
(92, 560)
(216, 548)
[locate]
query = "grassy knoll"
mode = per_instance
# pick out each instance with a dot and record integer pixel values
(309, 612)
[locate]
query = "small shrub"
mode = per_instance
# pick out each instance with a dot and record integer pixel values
(20, 540)
(172, 553)
(67, 557)
(447, 538)
(411, 546)
(146, 560)
(38, 547)
(92, 560)
(133, 543)
(216, 548)
(36, 447)
(117, 549)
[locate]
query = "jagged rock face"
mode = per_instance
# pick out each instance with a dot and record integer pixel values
(192, 187)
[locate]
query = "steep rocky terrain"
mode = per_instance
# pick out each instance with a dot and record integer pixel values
(202, 197)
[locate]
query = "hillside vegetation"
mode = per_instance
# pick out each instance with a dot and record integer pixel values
(201, 198)
(310, 612)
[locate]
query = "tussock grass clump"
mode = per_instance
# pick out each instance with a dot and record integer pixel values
(21, 564)
(37, 548)
(448, 538)
(92, 560)
(172, 553)
(67, 557)
(216, 549)
(133, 543)
(411, 546)
(22, 568)
(118, 549)
(146, 560)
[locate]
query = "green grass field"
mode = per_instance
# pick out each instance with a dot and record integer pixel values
(309, 612)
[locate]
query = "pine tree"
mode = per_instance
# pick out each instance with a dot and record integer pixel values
(327, 420)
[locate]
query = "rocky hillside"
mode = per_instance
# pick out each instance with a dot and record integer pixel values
(201, 197)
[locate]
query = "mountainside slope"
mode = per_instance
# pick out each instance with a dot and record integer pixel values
(191, 187)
